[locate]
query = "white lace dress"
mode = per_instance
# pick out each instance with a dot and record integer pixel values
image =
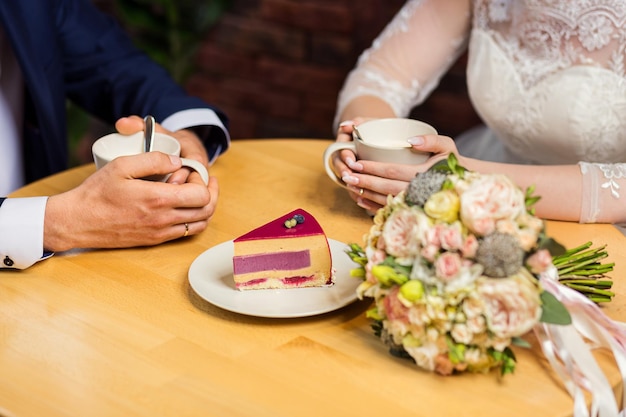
(546, 76)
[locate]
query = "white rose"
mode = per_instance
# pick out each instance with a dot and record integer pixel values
(424, 355)
(477, 325)
(461, 333)
(473, 307)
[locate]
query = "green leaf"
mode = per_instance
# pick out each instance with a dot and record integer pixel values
(441, 166)
(508, 362)
(554, 247)
(374, 314)
(456, 351)
(518, 341)
(530, 199)
(553, 311)
(506, 358)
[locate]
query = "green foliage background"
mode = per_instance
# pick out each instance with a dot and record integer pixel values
(169, 31)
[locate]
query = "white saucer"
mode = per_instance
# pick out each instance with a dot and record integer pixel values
(211, 277)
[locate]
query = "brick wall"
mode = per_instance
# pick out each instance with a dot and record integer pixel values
(276, 66)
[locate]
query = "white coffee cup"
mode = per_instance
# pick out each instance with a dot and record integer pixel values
(114, 145)
(382, 140)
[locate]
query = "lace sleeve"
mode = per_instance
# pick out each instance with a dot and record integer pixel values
(406, 61)
(603, 193)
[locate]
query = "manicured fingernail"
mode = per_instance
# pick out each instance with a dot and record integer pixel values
(354, 165)
(349, 179)
(360, 203)
(175, 159)
(346, 123)
(416, 140)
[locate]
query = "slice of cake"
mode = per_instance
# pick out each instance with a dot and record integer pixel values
(289, 252)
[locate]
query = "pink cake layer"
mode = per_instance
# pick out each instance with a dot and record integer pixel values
(279, 261)
(296, 281)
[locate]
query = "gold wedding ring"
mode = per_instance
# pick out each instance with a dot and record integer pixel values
(361, 191)
(186, 229)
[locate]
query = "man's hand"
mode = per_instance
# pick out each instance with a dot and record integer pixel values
(190, 144)
(114, 208)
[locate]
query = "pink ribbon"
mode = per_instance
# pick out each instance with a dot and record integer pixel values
(568, 349)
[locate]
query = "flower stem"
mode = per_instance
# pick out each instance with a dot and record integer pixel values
(581, 269)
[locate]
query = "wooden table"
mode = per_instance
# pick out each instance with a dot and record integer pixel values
(121, 333)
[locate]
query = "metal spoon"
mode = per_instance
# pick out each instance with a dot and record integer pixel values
(148, 133)
(356, 132)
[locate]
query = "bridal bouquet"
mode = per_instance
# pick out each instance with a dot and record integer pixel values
(453, 265)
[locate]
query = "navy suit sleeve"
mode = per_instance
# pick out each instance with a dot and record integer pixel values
(109, 77)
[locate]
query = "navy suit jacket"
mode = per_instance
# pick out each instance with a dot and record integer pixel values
(69, 49)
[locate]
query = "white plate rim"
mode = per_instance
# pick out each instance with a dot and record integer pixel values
(210, 276)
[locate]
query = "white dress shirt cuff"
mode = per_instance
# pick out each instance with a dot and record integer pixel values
(191, 118)
(21, 231)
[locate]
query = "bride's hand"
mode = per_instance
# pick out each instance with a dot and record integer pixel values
(344, 162)
(371, 183)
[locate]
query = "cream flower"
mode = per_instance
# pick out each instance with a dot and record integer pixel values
(473, 306)
(450, 315)
(424, 355)
(461, 333)
(477, 325)
(443, 206)
(401, 233)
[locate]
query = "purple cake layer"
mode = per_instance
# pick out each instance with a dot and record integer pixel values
(284, 261)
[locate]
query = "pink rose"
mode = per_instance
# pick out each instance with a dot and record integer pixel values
(451, 237)
(376, 257)
(512, 305)
(429, 252)
(482, 226)
(394, 309)
(489, 198)
(443, 364)
(539, 261)
(447, 266)
(433, 235)
(470, 246)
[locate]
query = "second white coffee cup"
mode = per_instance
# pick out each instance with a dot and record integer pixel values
(382, 140)
(114, 145)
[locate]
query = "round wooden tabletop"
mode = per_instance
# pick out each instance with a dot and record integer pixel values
(122, 333)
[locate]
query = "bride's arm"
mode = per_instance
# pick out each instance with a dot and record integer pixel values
(584, 192)
(406, 61)
(400, 69)
(559, 186)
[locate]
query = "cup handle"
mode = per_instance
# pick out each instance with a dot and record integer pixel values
(328, 154)
(198, 167)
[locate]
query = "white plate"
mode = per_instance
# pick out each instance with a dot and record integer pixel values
(211, 277)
